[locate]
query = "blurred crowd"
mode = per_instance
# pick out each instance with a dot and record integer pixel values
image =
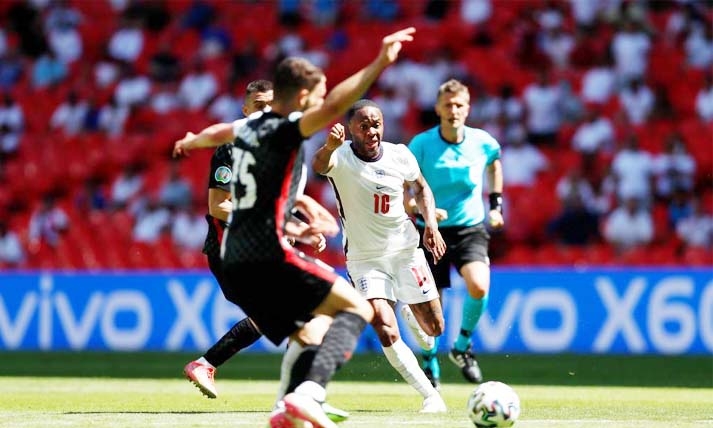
(603, 108)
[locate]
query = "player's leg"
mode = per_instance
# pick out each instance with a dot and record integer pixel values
(474, 268)
(350, 313)
(424, 341)
(201, 372)
(416, 287)
(401, 357)
(302, 349)
(427, 342)
(376, 280)
(313, 290)
(440, 275)
(424, 319)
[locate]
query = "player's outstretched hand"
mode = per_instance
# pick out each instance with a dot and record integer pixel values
(433, 241)
(391, 45)
(181, 147)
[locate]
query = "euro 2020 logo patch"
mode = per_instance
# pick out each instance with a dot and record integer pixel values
(223, 175)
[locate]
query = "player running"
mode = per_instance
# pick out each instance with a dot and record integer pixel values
(201, 372)
(384, 263)
(267, 164)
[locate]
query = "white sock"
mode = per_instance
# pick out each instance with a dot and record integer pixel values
(426, 342)
(294, 349)
(312, 389)
(202, 360)
(404, 361)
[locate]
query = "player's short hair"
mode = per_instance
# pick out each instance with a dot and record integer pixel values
(360, 105)
(453, 86)
(294, 74)
(260, 85)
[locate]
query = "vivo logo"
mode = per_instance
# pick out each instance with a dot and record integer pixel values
(667, 316)
(129, 318)
(657, 312)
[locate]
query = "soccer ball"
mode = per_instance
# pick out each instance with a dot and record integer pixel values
(493, 404)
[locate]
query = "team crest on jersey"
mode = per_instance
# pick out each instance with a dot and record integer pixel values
(223, 174)
(363, 284)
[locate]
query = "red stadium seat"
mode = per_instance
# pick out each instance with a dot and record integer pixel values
(637, 256)
(600, 255)
(697, 256)
(49, 161)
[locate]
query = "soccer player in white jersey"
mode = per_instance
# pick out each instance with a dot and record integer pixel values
(384, 262)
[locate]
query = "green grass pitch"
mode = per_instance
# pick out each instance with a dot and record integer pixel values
(147, 390)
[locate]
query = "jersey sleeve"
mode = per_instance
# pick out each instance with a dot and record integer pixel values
(335, 159)
(237, 124)
(415, 146)
(491, 147)
(221, 171)
(412, 170)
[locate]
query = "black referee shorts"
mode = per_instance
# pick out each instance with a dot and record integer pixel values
(464, 245)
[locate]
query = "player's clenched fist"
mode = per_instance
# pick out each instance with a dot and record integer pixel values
(336, 137)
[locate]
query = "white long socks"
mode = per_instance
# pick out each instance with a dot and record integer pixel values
(294, 349)
(425, 341)
(404, 361)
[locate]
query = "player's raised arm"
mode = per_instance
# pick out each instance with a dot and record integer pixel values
(352, 88)
(212, 136)
(322, 161)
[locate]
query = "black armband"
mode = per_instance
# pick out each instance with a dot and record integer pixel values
(496, 201)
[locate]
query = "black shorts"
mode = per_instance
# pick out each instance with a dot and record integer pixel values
(215, 264)
(464, 245)
(285, 294)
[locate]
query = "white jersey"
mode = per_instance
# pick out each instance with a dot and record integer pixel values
(370, 200)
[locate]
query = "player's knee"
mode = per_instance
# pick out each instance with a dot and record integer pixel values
(388, 334)
(477, 279)
(364, 310)
(477, 291)
(434, 327)
(477, 287)
(313, 332)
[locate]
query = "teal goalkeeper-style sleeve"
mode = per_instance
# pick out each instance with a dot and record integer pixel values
(456, 172)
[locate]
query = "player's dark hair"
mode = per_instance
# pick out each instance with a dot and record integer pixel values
(294, 74)
(260, 85)
(360, 105)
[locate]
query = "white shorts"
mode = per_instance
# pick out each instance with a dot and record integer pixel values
(404, 276)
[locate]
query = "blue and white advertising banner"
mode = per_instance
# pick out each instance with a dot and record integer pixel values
(596, 311)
